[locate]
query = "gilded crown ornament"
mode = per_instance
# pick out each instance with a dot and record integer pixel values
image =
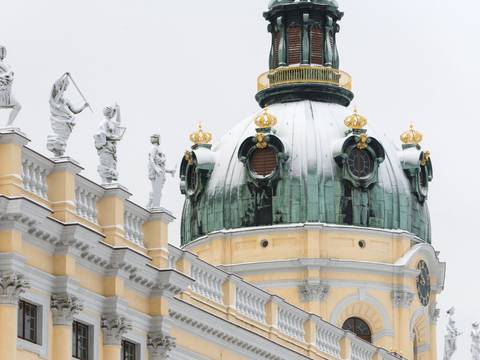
(411, 136)
(200, 137)
(355, 121)
(265, 120)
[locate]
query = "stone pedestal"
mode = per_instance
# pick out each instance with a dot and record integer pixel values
(155, 231)
(11, 143)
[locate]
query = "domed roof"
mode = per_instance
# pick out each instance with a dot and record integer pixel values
(274, 3)
(310, 184)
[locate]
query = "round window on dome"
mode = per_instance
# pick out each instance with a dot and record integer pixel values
(263, 162)
(360, 162)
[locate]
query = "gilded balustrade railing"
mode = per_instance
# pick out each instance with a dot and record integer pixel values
(302, 75)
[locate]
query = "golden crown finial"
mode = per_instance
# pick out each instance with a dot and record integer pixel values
(411, 136)
(355, 121)
(200, 137)
(265, 120)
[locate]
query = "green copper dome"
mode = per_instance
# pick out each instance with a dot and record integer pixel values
(274, 3)
(307, 168)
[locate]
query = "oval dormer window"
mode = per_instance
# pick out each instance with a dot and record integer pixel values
(191, 179)
(263, 162)
(360, 163)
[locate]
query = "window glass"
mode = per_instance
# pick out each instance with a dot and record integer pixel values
(80, 341)
(359, 328)
(128, 350)
(27, 321)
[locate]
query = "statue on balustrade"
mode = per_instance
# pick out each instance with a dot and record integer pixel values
(7, 100)
(62, 117)
(156, 172)
(475, 347)
(451, 336)
(109, 133)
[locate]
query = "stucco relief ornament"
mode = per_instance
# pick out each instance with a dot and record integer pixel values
(475, 347)
(314, 292)
(114, 327)
(109, 133)
(62, 115)
(7, 100)
(156, 172)
(451, 336)
(64, 307)
(160, 346)
(12, 285)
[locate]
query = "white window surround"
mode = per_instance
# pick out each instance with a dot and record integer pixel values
(43, 318)
(140, 344)
(93, 333)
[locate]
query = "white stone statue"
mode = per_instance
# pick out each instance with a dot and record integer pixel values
(451, 336)
(62, 117)
(156, 172)
(7, 100)
(109, 133)
(475, 347)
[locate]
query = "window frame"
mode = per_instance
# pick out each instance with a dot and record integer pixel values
(355, 319)
(89, 341)
(22, 319)
(136, 349)
(43, 307)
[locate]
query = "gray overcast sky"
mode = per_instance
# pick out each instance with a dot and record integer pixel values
(170, 64)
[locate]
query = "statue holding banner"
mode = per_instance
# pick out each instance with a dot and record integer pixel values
(7, 100)
(109, 133)
(62, 117)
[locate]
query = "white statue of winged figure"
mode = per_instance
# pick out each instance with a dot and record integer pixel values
(7, 100)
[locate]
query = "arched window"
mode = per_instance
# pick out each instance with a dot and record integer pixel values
(359, 328)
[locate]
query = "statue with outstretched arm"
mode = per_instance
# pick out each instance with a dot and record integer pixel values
(7, 100)
(62, 116)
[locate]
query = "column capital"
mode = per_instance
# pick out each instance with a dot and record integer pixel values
(160, 345)
(313, 292)
(402, 298)
(64, 307)
(114, 327)
(12, 285)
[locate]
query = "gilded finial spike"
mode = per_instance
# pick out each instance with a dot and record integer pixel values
(411, 136)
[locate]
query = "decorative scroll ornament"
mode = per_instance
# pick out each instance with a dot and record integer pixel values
(362, 142)
(402, 298)
(434, 313)
(200, 137)
(160, 346)
(64, 307)
(114, 327)
(12, 285)
(425, 158)
(355, 121)
(261, 140)
(411, 136)
(265, 120)
(188, 157)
